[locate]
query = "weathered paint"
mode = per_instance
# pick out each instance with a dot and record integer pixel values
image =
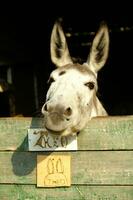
(23, 192)
(88, 167)
(102, 167)
(104, 133)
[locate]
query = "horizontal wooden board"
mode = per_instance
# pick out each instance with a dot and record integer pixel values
(88, 167)
(104, 133)
(30, 192)
(109, 133)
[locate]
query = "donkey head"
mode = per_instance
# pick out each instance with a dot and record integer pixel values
(71, 100)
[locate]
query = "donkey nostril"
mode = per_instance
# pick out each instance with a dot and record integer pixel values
(45, 107)
(68, 111)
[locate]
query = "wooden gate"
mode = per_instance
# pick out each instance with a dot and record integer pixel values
(101, 168)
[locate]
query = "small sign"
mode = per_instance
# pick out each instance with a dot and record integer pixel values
(53, 170)
(41, 140)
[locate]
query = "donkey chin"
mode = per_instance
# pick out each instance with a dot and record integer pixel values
(59, 125)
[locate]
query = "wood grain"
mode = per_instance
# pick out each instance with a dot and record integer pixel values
(106, 133)
(94, 167)
(101, 168)
(23, 192)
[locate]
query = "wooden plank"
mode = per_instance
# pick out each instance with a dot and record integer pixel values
(109, 133)
(12, 192)
(104, 133)
(94, 167)
(14, 132)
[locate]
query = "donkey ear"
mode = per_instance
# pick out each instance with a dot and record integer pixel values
(59, 50)
(99, 50)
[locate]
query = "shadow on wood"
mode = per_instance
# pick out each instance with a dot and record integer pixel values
(23, 163)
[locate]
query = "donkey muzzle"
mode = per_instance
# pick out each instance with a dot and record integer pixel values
(55, 122)
(56, 118)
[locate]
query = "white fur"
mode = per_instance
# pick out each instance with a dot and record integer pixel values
(70, 104)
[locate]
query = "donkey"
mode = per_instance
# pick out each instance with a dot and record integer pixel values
(71, 99)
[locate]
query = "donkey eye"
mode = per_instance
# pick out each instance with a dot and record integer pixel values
(90, 85)
(61, 73)
(51, 80)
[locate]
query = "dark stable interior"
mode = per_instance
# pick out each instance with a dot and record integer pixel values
(25, 62)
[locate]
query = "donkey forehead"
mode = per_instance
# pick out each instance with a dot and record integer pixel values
(74, 70)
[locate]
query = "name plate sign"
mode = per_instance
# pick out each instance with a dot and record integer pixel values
(41, 140)
(53, 170)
